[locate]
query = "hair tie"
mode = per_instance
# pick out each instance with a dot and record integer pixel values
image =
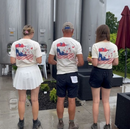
(26, 32)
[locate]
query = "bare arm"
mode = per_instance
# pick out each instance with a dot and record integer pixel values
(115, 61)
(12, 60)
(80, 60)
(39, 60)
(93, 60)
(51, 60)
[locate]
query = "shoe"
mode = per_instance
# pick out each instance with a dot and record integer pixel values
(37, 124)
(106, 126)
(21, 124)
(72, 125)
(94, 126)
(60, 124)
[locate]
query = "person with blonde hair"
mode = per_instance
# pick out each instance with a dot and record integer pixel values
(104, 56)
(26, 53)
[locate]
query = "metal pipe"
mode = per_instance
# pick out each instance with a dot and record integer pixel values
(0, 70)
(125, 62)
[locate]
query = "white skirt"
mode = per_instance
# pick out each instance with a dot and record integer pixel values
(27, 78)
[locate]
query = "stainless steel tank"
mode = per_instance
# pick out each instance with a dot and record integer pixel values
(68, 11)
(40, 15)
(12, 20)
(94, 14)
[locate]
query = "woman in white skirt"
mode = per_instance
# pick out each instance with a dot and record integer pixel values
(26, 53)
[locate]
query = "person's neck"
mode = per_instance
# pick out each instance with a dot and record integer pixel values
(106, 40)
(67, 35)
(26, 37)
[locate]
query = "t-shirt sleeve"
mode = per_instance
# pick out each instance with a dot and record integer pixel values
(79, 49)
(52, 50)
(13, 51)
(116, 53)
(94, 51)
(38, 51)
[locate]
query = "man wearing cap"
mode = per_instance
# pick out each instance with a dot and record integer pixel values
(68, 53)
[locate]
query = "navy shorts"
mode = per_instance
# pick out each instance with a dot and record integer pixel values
(67, 83)
(101, 78)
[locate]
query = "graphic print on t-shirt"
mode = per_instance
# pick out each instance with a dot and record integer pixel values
(105, 55)
(64, 51)
(24, 52)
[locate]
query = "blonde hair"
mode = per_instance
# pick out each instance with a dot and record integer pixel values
(27, 30)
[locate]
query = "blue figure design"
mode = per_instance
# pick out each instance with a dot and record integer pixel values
(61, 53)
(19, 53)
(102, 58)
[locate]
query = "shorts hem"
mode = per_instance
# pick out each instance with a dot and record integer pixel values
(72, 97)
(61, 96)
(101, 87)
(96, 86)
(107, 87)
(65, 96)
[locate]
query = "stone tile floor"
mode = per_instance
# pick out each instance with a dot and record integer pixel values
(9, 114)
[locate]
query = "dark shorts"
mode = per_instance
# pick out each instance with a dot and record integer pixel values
(65, 84)
(101, 78)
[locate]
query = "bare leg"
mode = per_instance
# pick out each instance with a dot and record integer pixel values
(21, 103)
(106, 106)
(35, 103)
(96, 101)
(71, 108)
(60, 107)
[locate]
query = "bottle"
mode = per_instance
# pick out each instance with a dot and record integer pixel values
(90, 55)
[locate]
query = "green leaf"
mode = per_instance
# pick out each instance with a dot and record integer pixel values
(45, 87)
(53, 96)
(112, 22)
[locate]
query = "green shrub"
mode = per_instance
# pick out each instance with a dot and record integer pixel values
(53, 96)
(53, 81)
(121, 66)
(113, 37)
(45, 87)
(29, 97)
(40, 67)
(14, 67)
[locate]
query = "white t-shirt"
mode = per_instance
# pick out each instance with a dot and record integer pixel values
(25, 51)
(66, 49)
(106, 52)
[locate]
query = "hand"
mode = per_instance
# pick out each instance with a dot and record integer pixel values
(56, 62)
(89, 59)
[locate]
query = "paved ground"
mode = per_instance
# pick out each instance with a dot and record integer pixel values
(9, 114)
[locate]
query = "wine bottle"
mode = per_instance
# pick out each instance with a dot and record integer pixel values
(90, 55)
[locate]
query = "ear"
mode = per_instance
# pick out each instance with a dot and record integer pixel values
(72, 31)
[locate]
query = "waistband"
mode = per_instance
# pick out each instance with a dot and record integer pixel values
(101, 68)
